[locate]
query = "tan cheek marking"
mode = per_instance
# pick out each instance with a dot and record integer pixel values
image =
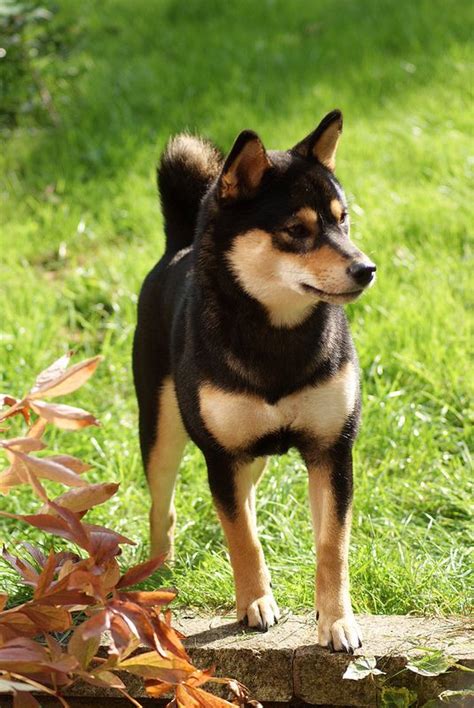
(336, 209)
(269, 276)
(252, 258)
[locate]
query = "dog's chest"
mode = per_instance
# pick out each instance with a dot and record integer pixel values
(236, 420)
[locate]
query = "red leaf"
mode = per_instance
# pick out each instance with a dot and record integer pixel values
(16, 408)
(37, 429)
(94, 529)
(169, 639)
(35, 553)
(6, 400)
(80, 533)
(152, 665)
(197, 698)
(25, 569)
(46, 522)
(156, 689)
(58, 380)
(150, 598)
(70, 462)
(36, 485)
(23, 444)
(140, 572)
(138, 621)
(10, 478)
(104, 543)
(123, 640)
(50, 469)
(22, 655)
(25, 700)
(68, 598)
(52, 373)
(78, 500)
(97, 624)
(47, 575)
(46, 618)
(83, 649)
(110, 575)
(63, 416)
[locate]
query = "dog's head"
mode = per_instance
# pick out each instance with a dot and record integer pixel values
(280, 222)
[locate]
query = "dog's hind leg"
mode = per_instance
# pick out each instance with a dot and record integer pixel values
(233, 490)
(162, 466)
(330, 495)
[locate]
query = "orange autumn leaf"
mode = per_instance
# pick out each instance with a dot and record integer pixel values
(50, 469)
(63, 416)
(58, 380)
(85, 497)
(140, 572)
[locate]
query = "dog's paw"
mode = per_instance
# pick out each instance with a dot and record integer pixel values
(340, 634)
(260, 614)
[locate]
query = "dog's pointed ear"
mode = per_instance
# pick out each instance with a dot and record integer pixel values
(244, 167)
(322, 142)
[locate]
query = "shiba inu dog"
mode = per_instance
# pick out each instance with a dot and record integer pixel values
(242, 345)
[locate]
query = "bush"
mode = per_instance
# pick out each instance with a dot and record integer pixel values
(51, 641)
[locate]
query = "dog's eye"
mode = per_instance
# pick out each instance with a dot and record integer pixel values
(297, 230)
(343, 217)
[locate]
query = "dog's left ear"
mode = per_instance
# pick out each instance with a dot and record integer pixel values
(322, 142)
(244, 167)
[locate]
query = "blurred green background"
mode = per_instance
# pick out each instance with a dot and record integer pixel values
(90, 92)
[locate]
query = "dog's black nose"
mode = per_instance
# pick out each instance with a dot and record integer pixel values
(363, 273)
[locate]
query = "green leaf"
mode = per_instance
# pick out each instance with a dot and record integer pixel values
(397, 698)
(433, 663)
(362, 667)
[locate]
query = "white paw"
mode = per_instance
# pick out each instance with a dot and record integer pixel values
(341, 634)
(262, 613)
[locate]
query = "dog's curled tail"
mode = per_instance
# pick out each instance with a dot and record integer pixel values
(187, 167)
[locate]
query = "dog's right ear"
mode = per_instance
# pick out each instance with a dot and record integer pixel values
(244, 168)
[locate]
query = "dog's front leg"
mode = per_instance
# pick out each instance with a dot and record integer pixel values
(233, 490)
(330, 493)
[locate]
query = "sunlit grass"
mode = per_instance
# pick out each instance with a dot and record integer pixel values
(81, 227)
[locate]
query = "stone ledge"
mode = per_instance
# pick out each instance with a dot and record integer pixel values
(286, 666)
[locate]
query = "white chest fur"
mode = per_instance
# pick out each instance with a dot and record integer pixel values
(237, 419)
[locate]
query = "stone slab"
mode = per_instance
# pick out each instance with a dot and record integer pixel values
(285, 664)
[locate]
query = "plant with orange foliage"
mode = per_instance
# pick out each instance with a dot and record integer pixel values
(52, 641)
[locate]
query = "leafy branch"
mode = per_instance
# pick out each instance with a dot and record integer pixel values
(51, 641)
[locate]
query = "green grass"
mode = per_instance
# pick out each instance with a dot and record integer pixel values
(81, 227)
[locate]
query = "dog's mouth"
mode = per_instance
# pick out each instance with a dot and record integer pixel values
(337, 298)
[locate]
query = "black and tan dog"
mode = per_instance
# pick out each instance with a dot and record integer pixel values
(242, 345)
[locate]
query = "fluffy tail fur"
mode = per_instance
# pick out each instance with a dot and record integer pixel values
(186, 170)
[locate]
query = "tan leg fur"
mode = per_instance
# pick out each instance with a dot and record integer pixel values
(336, 626)
(162, 470)
(252, 580)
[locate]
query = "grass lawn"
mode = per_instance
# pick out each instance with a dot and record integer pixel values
(80, 227)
